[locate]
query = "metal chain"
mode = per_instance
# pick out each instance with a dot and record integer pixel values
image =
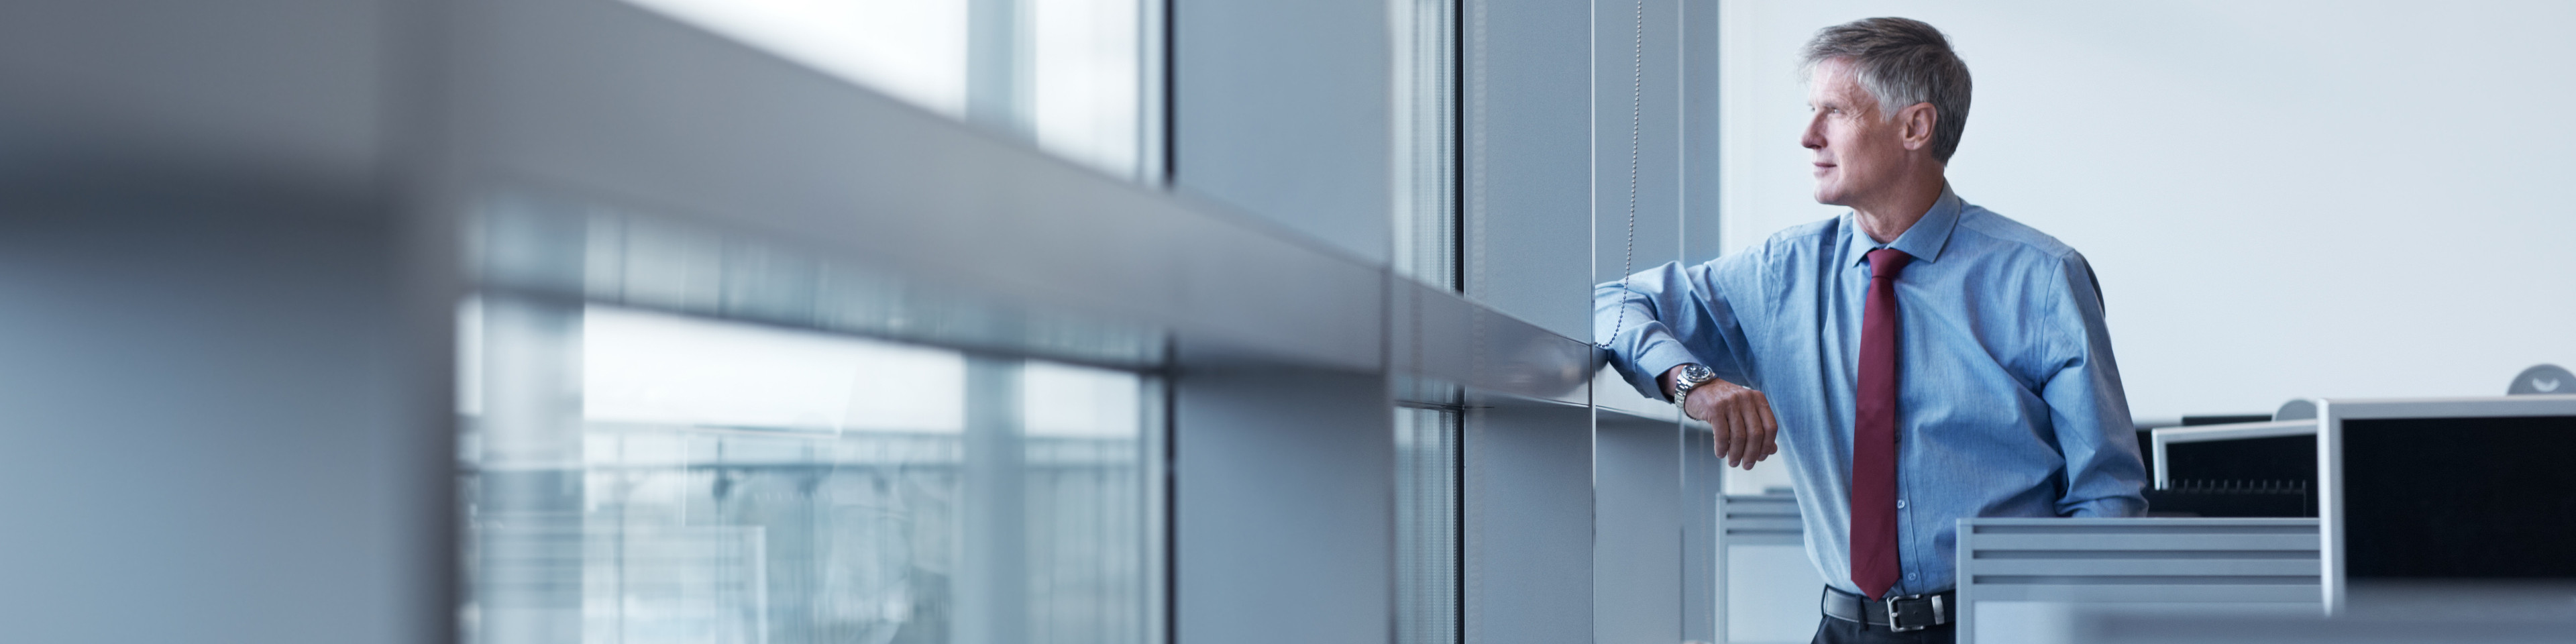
(1636, 121)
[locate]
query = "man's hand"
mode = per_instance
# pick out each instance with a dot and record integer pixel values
(1742, 418)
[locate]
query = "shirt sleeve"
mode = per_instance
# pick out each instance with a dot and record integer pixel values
(2104, 475)
(1669, 315)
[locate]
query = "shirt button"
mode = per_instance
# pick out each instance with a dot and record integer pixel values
(1900, 504)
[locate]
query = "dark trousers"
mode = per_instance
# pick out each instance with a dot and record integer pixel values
(1835, 631)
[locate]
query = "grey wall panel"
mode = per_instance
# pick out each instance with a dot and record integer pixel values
(1702, 471)
(1529, 516)
(1283, 109)
(1637, 530)
(1702, 483)
(1698, 30)
(214, 418)
(1283, 507)
(279, 87)
(1636, 135)
(1527, 138)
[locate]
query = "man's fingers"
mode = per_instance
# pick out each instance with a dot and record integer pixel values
(1721, 423)
(1760, 414)
(1770, 427)
(1717, 443)
(1708, 413)
(1742, 432)
(1742, 428)
(1732, 431)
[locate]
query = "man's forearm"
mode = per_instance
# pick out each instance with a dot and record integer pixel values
(1645, 320)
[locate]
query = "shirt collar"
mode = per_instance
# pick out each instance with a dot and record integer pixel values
(1924, 240)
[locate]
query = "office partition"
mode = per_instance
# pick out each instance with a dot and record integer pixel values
(2019, 577)
(2428, 495)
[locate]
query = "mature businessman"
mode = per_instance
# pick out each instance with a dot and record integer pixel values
(1918, 359)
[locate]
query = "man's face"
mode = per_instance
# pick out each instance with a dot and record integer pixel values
(1856, 150)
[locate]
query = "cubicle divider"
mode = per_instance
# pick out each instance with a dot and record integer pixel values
(1768, 589)
(2019, 579)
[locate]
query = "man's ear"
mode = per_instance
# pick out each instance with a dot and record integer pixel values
(1915, 125)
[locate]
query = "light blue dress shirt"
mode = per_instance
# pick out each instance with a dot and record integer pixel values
(2008, 402)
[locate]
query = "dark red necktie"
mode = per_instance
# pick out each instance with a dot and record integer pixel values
(1873, 482)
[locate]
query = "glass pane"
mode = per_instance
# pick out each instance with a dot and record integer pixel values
(1086, 65)
(635, 477)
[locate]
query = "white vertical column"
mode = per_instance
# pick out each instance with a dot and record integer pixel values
(992, 585)
(527, 520)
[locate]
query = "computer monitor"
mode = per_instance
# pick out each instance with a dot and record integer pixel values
(2250, 452)
(2251, 469)
(2449, 492)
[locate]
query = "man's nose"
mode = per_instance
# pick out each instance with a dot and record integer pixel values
(1811, 138)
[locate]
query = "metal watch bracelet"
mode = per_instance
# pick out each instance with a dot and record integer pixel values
(1692, 376)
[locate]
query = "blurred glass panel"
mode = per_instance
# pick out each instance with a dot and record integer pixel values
(913, 49)
(634, 477)
(1427, 525)
(1086, 80)
(1070, 75)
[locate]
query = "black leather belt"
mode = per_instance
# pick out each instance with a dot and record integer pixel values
(1898, 613)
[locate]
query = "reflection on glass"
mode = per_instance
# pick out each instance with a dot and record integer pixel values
(1427, 519)
(638, 477)
(1068, 74)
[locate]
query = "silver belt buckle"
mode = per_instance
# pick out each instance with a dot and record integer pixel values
(1895, 618)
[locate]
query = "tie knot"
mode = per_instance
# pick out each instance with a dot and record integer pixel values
(1886, 263)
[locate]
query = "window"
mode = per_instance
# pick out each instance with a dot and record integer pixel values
(1075, 77)
(638, 477)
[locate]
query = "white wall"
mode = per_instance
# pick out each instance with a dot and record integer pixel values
(2282, 198)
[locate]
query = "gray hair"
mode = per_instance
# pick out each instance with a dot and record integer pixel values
(1901, 61)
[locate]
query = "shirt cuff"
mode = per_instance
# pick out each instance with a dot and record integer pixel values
(2108, 508)
(1660, 356)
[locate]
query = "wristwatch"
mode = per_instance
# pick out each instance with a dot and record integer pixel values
(1692, 375)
